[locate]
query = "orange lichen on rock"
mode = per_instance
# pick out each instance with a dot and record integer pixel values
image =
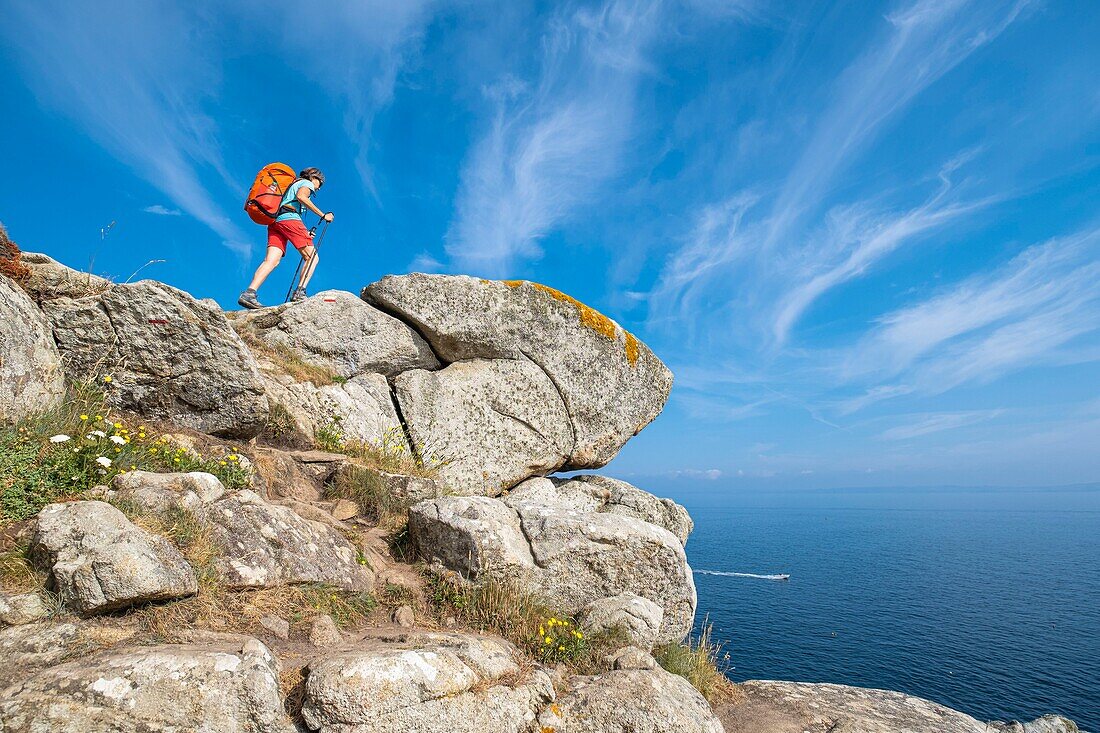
(589, 317)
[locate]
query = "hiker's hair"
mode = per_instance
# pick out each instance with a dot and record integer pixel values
(312, 173)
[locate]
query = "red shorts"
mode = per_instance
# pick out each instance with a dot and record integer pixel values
(293, 229)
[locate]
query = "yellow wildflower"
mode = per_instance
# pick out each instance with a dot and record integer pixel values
(83, 417)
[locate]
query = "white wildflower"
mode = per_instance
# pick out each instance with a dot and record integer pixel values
(104, 461)
(118, 440)
(98, 434)
(61, 438)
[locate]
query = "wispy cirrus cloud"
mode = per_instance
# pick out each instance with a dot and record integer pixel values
(553, 141)
(356, 49)
(1017, 315)
(923, 41)
(937, 422)
(137, 85)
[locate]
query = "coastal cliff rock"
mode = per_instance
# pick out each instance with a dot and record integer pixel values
(612, 385)
(47, 279)
(169, 357)
(98, 560)
(495, 422)
(31, 377)
(570, 557)
(360, 408)
(635, 700)
(224, 687)
(424, 683)
(336, 330)
(592, 493)
(797, 707)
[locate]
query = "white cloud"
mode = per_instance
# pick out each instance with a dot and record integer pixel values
(934, 423)
(136, 82)
(551, 144)
(1015, 316)
(356, 49)
(924, 41)
(162, 210)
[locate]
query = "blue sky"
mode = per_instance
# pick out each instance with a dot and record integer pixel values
(865, 236)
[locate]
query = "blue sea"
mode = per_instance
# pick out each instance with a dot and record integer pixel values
(986, 601)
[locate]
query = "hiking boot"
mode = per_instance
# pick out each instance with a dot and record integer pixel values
(248, 300)
(299, 294)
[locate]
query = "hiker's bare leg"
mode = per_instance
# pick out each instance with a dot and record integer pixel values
(309, 254)
(271, 261)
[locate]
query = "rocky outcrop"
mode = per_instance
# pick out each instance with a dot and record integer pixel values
(21, 608)
(98, 560)
(169, 357)
(223, 687)
(568, 556)
(424, 683)
(164, 491)
(639, 618)
(31, 377)
(635, 700)
(602, 494)
(47, 279)
(612, 385)
(794, 707)
(265, 545)
(359, 409)
(338, 331)
(494, 422)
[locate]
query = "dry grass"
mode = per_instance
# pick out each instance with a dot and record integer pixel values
(288, 361)
(17, 575)
(505, 608)
(369, 490)
(701, 662)
(292, 683)
(10, 266)
(218, 608)
(391, 454)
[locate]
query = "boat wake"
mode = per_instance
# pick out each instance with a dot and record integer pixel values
(744, 575)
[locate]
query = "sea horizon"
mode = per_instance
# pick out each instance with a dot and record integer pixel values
(978, 598)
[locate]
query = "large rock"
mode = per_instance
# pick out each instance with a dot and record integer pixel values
(424, 683)
(98, 560)
(217, 687)
(30, 647)
(611, 383)
(359, 409)
(493, 422)
(47, 279)
(265, 545)
(21, 608)
(603, 494)
(336, 330)
(570, 557)
(31, 377)
(170, 357)
(794, 707)
(640, 618)
(165, 491)
(633, 701)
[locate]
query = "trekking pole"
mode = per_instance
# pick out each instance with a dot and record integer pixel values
(307, 260)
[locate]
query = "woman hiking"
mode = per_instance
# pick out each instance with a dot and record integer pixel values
(288, 225)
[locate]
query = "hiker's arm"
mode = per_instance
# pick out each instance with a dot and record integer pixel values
(303, 197)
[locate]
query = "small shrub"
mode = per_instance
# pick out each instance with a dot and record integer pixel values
(65, 451)
(559, 640)
(700, 661)
(330, 436)
(392, 454)
(369, 491)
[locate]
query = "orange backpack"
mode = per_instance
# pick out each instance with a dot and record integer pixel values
(267, 192)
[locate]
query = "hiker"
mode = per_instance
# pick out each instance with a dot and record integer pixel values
(288, 225)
